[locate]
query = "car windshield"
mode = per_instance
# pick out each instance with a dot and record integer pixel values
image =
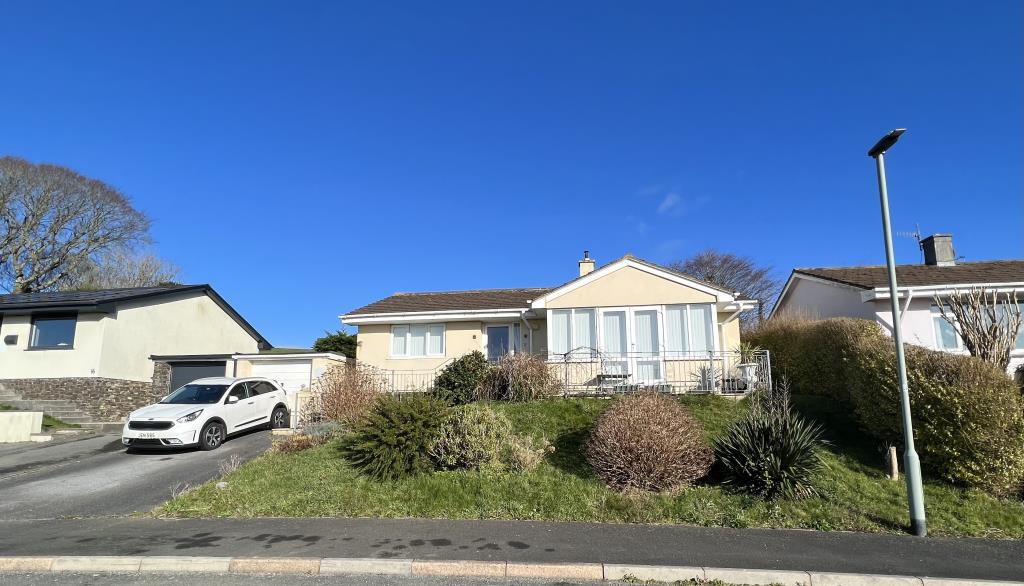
(196, 395)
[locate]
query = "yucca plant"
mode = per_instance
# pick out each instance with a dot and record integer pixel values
(395, 438)
(772, 452)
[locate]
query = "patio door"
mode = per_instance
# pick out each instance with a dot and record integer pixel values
(616, 343)
(502, 339)
(647, 363)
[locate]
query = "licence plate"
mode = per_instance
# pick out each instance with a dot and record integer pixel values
(147, 435)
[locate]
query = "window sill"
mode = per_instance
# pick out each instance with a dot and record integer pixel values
(416, 357)
(39, 348)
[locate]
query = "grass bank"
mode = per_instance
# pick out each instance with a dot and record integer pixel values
(853, 492)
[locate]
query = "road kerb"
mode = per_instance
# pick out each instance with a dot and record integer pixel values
(957, 582)
(96, 563)
(458, 568)
(741, 576)
(656, 573)
(560, 571)
(274, 566)
(26, 564)
(838, 579)
(331, 566)
(185, 564)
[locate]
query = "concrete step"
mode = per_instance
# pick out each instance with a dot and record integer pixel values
(40, 437)
(79, 420)
(46, 405)
(9, 397)
(68, 413)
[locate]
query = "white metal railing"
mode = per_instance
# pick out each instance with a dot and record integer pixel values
(594, 371)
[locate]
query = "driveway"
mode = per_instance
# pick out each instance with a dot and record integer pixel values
(94, 476)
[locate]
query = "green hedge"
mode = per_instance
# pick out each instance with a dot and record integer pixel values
(968, 415)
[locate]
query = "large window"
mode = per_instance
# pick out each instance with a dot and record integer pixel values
(417, 340)
(56, 331)
(572, 329)
(689, 328)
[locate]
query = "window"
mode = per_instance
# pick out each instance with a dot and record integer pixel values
(240, 390)
(53, 332)
(260, 387)
(572, 329)
(946, 337)
(417, 340)
(689, 328)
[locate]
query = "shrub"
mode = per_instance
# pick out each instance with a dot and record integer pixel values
(771, 452)
(968, 415)
(519, 377)
(475, 437)
(648, 442)
(395, 438)
(457, 383)
(345, 394)
(297, 443)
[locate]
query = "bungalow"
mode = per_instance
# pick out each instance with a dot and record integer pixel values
(102, 354)
(629, 323)
(863, 292)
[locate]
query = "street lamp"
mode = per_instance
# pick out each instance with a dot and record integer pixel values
(911, 463)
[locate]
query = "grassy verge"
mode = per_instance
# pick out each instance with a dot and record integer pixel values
(48, 422)
(853, 493)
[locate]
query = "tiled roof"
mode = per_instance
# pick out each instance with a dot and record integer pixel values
(78, 298)
(454, 300)
(967, 273)
(483, 299)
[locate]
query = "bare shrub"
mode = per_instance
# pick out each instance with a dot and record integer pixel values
(298, 442)
(519, 377)
(648, 442)
(986, 321)
(230, 465)
(345, 394)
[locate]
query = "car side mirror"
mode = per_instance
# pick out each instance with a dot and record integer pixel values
(232, 399)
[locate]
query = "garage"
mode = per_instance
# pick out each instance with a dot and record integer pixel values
(294, 372)
(183, 373)
(293, 375)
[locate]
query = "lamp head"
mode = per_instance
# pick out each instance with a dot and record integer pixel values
(886, 142)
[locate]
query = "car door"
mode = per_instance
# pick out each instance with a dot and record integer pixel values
(265, 399)
(240, 414)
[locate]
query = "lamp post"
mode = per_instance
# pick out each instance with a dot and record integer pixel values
(911, 463)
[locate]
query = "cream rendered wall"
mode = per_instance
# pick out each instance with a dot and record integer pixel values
(191, 324)
(729, 333)
(629, 286)
(81, 360)
(374, 346)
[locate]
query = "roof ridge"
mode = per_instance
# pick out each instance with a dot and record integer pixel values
(456, 291)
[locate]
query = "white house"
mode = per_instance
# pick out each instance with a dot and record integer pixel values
(109, 352)
(863, 292)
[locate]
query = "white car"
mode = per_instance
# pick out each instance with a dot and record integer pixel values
(205, 411)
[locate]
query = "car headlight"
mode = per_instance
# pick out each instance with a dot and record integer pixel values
(190, 417)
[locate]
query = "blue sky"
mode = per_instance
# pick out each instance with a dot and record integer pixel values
(306, 158)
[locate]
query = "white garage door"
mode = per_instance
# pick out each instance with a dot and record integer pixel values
(291, 374)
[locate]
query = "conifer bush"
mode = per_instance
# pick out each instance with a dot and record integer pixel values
(457, 382)
(395, 438)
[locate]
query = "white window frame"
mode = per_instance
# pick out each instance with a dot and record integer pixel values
(688, 334)
(937, 321)
(573, 345)
(408, 341)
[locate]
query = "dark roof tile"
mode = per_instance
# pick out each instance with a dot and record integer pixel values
(968, 273)
(453, 301)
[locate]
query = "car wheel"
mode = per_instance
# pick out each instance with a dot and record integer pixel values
(212, 436)
(279, 418)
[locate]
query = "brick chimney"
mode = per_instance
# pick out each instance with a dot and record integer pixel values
(938, 250)
(586, 264)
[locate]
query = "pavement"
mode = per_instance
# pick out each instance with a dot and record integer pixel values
(93, 475)
(518, 542)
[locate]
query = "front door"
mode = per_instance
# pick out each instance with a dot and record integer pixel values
(499, 342)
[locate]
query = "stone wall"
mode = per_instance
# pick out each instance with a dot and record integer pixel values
(105, 399)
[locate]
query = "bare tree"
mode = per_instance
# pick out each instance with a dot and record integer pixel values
(53, 221)
(988, 322)
(735, 273)
(121, 268)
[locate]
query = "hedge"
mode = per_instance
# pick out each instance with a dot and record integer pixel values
(968, 415)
